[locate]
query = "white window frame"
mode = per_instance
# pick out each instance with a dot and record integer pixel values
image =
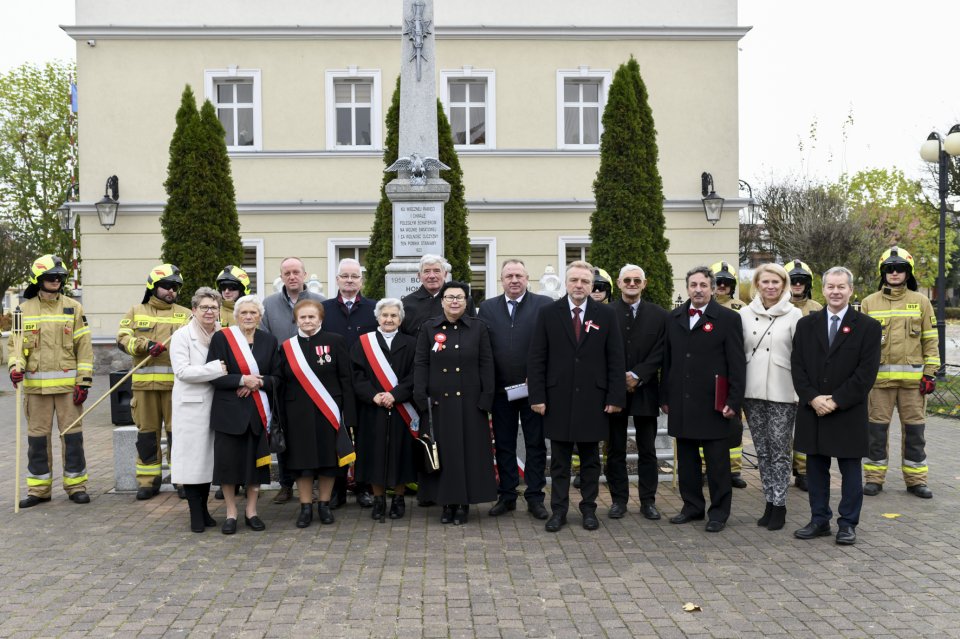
(333, 245)
(492, 277)
(562, 242)
(210, 78)
(469, 73)
(605, 76)
(257, 244)
(376, 108)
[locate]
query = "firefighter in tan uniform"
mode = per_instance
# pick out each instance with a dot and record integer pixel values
(143, 331)
(801, 295)
(56, 368)
(726, 277)
(232, 283)
(909, 359)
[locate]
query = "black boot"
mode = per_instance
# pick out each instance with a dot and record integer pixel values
(208, 520)
(763, 521)
(379, 507)
(196, 509)
(306, 515)
(777, 518)
(397, 507)
(324, 512)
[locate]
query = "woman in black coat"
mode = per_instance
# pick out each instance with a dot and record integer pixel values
(453, 372)
(316, 444)
(240, 451)
(384, 438)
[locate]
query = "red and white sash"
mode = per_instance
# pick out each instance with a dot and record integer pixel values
(388, 379)
(248, 366)
(311, 383)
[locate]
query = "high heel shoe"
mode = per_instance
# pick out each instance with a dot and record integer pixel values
(306, 515)
(324, 512)
(461, 515)
(446, 516)
(397, 507)
(379, 507)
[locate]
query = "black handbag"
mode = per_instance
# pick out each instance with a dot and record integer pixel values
(277, 438)
(427, 454)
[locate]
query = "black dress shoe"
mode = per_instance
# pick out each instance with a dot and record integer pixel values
(649, 511)
(617, 510)
(537, 510)
(218, 494)
(461, 515)
(80, 498)
(715, 526)
(365, 499)
(590, 521)
(683, 518)
(872, 489)
(379, 507)
(920, 490)
(306, 515)
(813, 530)
(254, 523)
(846, 536)
(32, 500)
(146, 492)
(801, 482)
(229, 526)
(557, 521)
(737, 481)
(765, 517)
(446, 516)
(325, 512)
(502, 507)
(398, 507)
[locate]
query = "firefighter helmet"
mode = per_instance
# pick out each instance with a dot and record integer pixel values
(893, 257)
(45, 266)
(798, 270)
(234, 275)
(602, 283)
(164, 274)
(724, 271)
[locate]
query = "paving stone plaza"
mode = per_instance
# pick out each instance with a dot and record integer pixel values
(122, 568)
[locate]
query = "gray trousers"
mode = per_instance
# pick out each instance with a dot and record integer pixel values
(771, 427)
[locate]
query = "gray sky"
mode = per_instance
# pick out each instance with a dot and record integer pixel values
(884, 63)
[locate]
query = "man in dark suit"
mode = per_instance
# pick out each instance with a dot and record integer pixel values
(836, 355)
(510, 319)
(424, 302)
(704, 349)
(576, 382)
(643, 328)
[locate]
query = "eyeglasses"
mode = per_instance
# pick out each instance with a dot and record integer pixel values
(454, 298)
(797, 281)
(633, 280)
(208, 309)
(349, 276)
(895, 268)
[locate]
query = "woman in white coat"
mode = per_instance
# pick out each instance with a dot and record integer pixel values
(192, 438)
(770, 402)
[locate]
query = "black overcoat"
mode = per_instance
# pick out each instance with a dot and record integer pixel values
(377, 427)
(846, 371)
(458, 379)
(644, 340)
(692, 360)
(311, 438)
(576, 380)
(229, 413)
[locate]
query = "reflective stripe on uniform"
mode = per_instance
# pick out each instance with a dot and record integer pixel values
(736, 453)
(48, 319)
(41, 480)
(154, 374)
(160, 320)
(151, 469)
(50, 378)
(81, 332)
(900, 371)
(132, 347)
(930, 334)
(931, 361)
(71, 480)
(895, 313)
(876, 466)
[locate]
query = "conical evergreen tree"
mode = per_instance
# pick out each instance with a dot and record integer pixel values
(201, 230)
(455, 232)
(628, 225)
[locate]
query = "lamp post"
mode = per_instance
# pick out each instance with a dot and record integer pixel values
(68, 224)
(937, 150)
(712, 203)
(107, 207)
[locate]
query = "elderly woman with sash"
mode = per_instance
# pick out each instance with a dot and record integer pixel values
(388, 422)
(241, 407)
(319, 408)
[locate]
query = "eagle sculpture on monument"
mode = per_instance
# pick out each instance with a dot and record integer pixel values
(417, 166)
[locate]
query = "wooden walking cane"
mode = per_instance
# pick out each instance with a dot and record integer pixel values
(18, 344)
(112, 388)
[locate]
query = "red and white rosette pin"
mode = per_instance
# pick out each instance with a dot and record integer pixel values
(708, 327)
(845, 329)
(438, 341)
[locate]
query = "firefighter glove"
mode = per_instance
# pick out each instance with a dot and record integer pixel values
(927, 385)
(16, 377)
(80, 395)
(155, 348)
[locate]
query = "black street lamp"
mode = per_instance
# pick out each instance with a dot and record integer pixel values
(107, 207)
(937, 150)
(712, 203)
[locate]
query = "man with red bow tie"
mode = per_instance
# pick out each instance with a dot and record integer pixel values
(704, 374)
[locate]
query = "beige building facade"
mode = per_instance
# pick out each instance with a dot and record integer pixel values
(303, 86)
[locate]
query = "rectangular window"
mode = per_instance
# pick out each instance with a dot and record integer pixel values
(581, 99)
(353, 109)
(236, 96)
(253, 264)
(571, 249)
(468, 96)
(358, 253)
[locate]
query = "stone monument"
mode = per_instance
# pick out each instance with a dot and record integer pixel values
(418, 193)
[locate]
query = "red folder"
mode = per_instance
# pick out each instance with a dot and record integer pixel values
(720, 388)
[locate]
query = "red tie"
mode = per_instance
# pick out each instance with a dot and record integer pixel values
(576, 322)
(696, 311)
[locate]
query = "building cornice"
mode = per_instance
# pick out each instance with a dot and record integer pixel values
(465, 152)
(301, 32)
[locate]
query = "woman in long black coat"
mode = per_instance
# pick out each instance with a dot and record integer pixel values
(314, 445)
(384, 439)
(241, 454)
(453, 371)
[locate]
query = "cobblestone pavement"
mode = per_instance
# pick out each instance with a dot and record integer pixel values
(118, 567)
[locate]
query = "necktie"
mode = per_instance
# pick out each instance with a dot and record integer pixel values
(349, 305)
(834, 324)
(512, 307)
(633, 312)
(696, 311)
(576, 322)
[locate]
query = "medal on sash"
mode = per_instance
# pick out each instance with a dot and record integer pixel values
(323, 354)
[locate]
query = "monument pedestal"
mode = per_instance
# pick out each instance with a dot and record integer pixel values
(417, 230)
